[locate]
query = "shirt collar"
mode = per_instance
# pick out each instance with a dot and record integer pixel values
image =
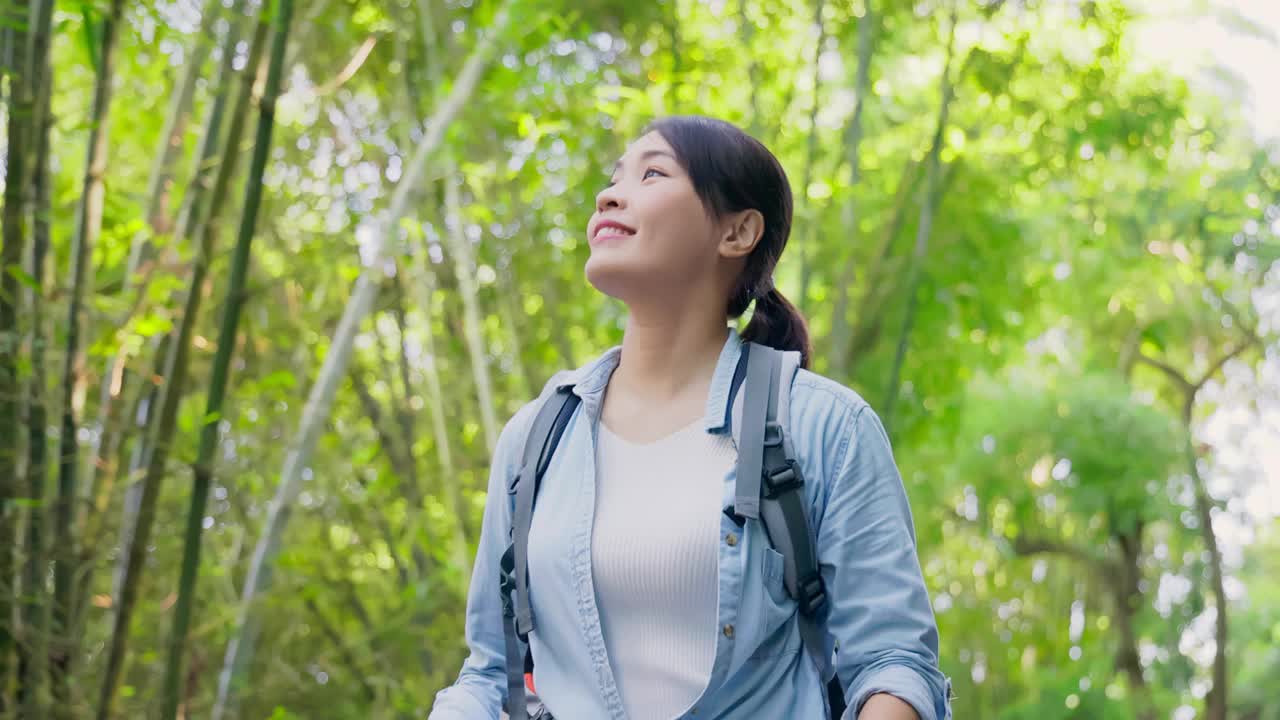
(590, 380)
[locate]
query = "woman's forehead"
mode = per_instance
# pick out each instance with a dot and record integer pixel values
(651, 140)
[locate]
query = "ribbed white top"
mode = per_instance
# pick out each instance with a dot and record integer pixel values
(654, 547)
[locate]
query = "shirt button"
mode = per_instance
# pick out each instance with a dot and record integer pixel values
(731, 539)
(728, 631)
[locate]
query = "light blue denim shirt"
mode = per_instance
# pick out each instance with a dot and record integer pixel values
(878, 616)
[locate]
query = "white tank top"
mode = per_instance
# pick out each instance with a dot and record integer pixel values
(654, 549)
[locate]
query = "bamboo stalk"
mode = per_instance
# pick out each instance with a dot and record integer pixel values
(203, 469)
(88, 225)
(316, 411)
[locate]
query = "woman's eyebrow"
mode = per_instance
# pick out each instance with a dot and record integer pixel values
(645, 156)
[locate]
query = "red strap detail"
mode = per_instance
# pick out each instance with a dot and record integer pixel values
(528, 682)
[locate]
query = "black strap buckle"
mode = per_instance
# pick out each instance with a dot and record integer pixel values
(732, 514)
(507, 581)
(812, 593)
(507, 585)
(782, 478)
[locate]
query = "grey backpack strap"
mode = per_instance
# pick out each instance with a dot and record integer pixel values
(516, 705)
(518, 621)
(771, 468)
(763, 366)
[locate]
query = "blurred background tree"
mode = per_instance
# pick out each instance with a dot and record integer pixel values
(273, 278)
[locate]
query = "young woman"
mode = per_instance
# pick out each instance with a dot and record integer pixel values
(651, 601)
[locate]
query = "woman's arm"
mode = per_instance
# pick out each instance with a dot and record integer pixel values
(883, 706)
(481, 687)
(880, 614)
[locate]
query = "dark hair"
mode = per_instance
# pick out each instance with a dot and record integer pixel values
(733, 171)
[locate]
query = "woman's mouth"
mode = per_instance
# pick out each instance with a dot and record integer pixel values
(610, 231)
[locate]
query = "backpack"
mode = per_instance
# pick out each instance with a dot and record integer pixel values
(770, 488)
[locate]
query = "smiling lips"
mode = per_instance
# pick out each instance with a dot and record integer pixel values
(610, 229)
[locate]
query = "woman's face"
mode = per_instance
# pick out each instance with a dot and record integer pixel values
(650, 235)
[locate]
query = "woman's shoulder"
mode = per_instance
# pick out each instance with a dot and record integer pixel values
(831, 422)
(835, 433)
(520, 422)
(814, 393)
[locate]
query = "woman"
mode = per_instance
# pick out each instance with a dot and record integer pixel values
(647, 604)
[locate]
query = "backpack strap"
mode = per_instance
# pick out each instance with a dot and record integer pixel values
(771, 485)
(760, 392)
(517, 614)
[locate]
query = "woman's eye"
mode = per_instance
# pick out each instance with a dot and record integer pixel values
(656, 171)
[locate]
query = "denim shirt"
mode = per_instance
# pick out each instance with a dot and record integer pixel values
(878, 617)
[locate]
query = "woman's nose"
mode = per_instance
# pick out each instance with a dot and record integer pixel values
(609, 198)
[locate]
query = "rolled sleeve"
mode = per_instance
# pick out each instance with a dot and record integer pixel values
(902, 682)
(880, 616)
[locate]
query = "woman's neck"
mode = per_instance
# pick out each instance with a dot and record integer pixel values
(666, 358)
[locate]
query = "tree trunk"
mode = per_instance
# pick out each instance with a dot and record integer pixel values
(425, 285)
(406, 422)
(463, 262)
(344, 650)
(876, 288)
(1127, 597)
(6, 53)
(93, 523)
(35, 609)
(221, 365)
(1216, 700)
(114, 445)
(116, 379)
(424, 288)
(849, 216)
(403, 410)
(396, 457)
(192, 211)
(12, 235)
(161, 178)
(746, 31)
(926, 223)
(192, 208)
(176, 362)
(521, 383)
(88, 224)
(811, 152)
(240, 648)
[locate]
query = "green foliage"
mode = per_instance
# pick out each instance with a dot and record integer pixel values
(1081, 440)
(1096, 219)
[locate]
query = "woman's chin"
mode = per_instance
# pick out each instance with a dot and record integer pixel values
(609, 275)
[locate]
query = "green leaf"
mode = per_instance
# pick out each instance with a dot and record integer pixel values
(89, 35)
(23, 277)
(279, 380)
(152, 325)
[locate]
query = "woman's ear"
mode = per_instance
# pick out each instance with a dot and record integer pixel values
(741, 231)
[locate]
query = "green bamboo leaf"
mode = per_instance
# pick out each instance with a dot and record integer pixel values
(23, 276)
(89, 34)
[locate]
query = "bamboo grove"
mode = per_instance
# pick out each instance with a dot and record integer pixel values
(274, 275)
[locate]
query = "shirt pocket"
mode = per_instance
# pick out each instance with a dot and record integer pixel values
(779, 631)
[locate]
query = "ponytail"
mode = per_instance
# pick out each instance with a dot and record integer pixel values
(779, 324)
